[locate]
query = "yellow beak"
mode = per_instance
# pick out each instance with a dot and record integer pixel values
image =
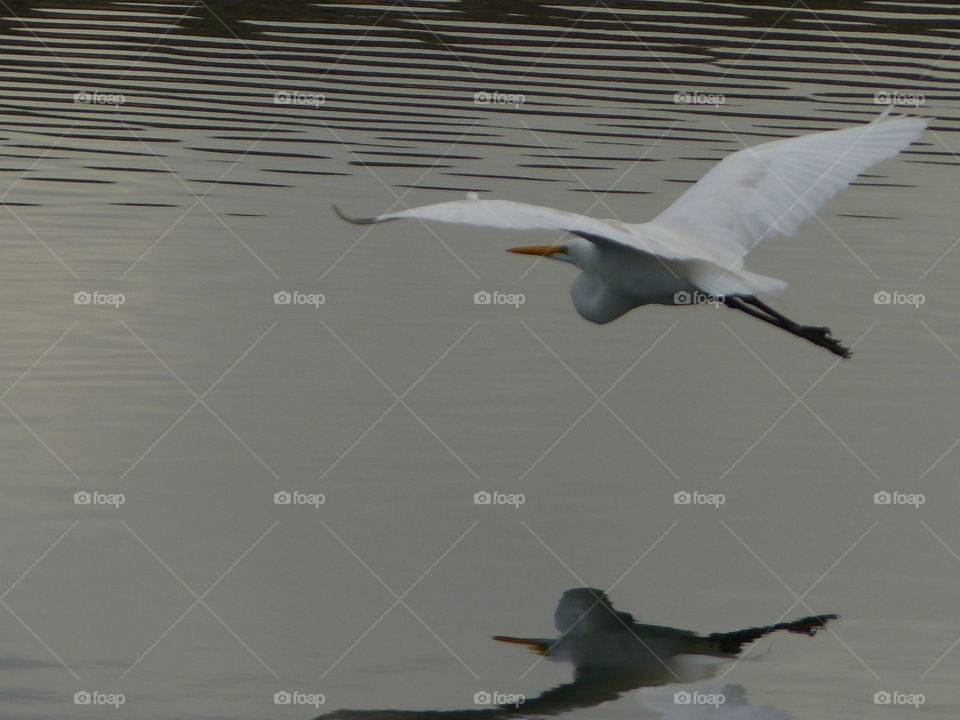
(542, 250)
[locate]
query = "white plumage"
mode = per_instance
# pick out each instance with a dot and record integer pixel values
(698, 244)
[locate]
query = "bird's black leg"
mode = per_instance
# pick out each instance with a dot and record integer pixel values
(760, 310)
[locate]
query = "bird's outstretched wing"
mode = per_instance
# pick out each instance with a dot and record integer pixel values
(767, 190)
(510, 215)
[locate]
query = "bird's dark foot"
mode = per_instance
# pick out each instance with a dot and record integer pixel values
(821, 336)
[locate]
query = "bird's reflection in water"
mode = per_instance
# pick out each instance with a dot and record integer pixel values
(613, 654)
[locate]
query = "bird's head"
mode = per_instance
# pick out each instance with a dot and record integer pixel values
(575, 251)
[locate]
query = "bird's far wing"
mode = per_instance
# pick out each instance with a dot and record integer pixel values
(510, 215)
(767, 190)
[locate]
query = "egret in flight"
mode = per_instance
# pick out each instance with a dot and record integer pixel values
(598, 639)
(694, 250)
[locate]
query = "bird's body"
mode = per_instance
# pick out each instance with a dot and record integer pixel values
(695, 249)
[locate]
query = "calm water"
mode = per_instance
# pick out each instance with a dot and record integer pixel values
(148, 161)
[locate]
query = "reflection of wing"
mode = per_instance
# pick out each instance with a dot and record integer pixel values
(582, 693)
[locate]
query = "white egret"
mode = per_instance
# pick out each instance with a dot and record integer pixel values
(598, 639)
(694, 250)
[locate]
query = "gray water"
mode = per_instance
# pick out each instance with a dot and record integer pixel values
(144, 155)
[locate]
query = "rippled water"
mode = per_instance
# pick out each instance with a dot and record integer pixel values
(175, 163)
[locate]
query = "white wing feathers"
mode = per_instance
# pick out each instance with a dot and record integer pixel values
(509, 215)
(750, 196)
(767, 190)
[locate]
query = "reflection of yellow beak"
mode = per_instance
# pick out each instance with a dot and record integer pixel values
(542, 250)
(540, 647)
